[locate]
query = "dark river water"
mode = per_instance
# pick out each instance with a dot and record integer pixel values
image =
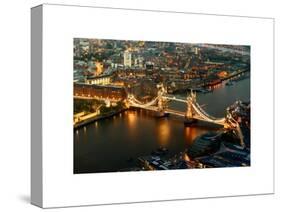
(114, 144)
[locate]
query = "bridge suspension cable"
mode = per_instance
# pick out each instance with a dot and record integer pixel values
(206, 116)
(136, 102)
(175, 99)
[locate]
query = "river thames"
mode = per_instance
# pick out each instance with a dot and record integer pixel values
(115, 143)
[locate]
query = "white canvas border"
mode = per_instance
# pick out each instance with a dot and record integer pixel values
(61, 24)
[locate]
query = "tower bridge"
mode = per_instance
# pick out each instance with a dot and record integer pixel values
(193, 110)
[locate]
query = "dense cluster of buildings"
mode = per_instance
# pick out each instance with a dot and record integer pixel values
(131, 63)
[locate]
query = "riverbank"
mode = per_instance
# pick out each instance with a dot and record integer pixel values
(96, 118)
(205, 88)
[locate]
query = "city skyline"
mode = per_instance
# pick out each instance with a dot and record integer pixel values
(154, 86)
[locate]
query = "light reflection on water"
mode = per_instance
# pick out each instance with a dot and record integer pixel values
(132, 119)
(163, 132)
(190, 134)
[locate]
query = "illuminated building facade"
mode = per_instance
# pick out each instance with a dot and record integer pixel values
(127, 59)
(99, 80)
(99, 92)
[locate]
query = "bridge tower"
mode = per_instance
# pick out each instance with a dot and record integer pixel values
(190, 113)
(161, 102)
(189, 101)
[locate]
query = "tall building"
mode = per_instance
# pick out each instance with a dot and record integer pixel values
(127, 59)
(77, 48)
(138, 62)
(196, 50)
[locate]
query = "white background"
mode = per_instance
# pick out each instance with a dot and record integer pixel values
(15, 51)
